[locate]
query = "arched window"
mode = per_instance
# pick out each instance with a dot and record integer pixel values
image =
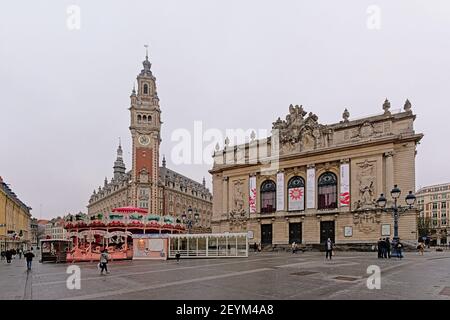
(139, 118)
(144, 118)
(149, 118)
(145, 88)
(268, 196)
(327, 191)
(296, 194)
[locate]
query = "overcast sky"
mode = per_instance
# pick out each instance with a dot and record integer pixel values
(64, 93)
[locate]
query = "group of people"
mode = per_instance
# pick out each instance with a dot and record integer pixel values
(11, 253)
(385, 247)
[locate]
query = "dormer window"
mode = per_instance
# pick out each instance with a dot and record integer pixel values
(145, 88)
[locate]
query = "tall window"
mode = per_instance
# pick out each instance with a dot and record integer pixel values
(296, 194)
(139, 118)
(145, 88)
(268, 196)
(327, 191)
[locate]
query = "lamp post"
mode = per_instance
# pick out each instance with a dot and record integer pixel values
(396, 209)
(188, 221)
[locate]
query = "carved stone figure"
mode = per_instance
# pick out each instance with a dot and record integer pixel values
(300, 133)
(238, 197)
(367, 221)
(366, 180)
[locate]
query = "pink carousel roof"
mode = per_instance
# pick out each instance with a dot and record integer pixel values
(129, 209)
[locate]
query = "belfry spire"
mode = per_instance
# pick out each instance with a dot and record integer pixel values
(147, 65)
(119, 165)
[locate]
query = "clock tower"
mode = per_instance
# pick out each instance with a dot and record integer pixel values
(145, 127)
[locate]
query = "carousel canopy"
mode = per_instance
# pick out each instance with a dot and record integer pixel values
(129, 209)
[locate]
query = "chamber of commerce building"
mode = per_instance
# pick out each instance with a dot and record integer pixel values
(156, 189)
(308, 181)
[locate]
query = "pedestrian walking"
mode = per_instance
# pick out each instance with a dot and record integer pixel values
(255, 247)
(328, 248)
(399, 249)
(29, 257)
(293, 246)
(8, 255)
(3, 255)
(388, 248)
(421, 248)
(104, 256)
(20, 253)
(177, 255)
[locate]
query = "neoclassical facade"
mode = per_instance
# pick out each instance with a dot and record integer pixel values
(308, 181)
(160, 190)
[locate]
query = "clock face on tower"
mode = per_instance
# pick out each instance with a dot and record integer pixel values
(144, 140)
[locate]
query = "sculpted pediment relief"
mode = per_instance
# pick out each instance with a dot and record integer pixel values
(367, 130)
(301, 131)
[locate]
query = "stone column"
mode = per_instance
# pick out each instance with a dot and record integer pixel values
(389, 174)
(225, 196)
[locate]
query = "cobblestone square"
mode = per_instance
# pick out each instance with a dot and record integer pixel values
(271, 276)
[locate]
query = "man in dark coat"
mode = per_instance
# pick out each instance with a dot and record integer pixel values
(8, 255)
(379, 247)
(388, 248)
(29, 256)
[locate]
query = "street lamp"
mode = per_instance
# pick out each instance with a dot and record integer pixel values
(188, 221)
(396, 209)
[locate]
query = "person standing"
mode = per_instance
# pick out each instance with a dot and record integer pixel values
(328, 248)
(29, 257)
(8, 255)
(259, 247)
(388, 248)
(421, 248)
(177, 255)
(104, 261)
(293, 247)
(3, 255)
(20, 253)
(255, 247)
(399, 249)
(383, 248)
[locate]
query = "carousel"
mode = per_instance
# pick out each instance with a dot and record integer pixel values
(90, 235)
